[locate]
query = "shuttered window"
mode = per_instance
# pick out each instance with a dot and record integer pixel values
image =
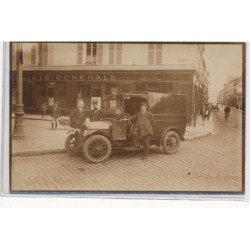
(118, 53)
(91, 52)
(154, 53)
(99, 53)
(33, 55)
(79, 53)
(43, 54)
(158, 54)
(111, 53)
(115, 53)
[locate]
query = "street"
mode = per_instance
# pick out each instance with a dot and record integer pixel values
(212, 163)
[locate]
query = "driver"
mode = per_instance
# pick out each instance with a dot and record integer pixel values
(144, 125)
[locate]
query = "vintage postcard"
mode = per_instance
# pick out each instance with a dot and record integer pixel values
(127, 117)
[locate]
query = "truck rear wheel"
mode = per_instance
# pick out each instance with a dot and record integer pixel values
(97, 148)
(171, 142)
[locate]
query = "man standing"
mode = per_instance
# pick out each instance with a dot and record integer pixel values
(56, 113)
(143, 127)
(95, 114)
(78, 117)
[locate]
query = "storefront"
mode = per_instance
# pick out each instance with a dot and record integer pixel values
(66, 87)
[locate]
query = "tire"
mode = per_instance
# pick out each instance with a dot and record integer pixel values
(171, 142)
(70, 144)
(97, 148)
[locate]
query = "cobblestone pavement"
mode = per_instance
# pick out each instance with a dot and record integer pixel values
(209, 164)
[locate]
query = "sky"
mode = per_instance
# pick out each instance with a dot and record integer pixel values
(223, 62)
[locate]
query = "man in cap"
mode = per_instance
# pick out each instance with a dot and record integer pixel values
(95, 114)
(143, 127)
(78, 117)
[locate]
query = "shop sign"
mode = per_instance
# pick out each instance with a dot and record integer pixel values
(105, 77)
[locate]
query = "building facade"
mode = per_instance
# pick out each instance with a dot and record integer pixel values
(232, 93)
(67, 72)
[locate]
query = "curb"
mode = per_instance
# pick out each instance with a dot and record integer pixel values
(30, 118)
(58, 151)
(198, 136)
(40, 152)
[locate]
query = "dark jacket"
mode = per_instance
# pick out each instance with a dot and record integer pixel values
(77, 118)
(56, 112)
(144, 122)
(95, 115)
(227, 109)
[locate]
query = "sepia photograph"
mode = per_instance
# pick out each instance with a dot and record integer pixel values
(127, 117)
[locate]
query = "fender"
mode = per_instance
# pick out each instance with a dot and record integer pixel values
(172, 129)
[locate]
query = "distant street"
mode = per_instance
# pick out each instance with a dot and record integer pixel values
(212, 163)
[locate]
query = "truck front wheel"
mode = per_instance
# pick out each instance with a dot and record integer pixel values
(97, 148)
(171, 142)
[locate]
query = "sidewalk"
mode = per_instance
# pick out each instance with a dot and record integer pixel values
(49, 141)
(200, 130)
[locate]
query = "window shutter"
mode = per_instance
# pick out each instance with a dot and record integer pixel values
(88, 52)
(151, 53)
(158, 54)
(44, 54)
(111, 53)
(118, 53)
(99, 52)
(33, 55)
(79, 53)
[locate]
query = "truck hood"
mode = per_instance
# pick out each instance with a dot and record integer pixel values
(98, 125)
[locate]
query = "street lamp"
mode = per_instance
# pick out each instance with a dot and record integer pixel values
(18, 131)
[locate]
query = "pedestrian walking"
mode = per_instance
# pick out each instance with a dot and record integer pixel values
(44, 109)
(227, 112)
(143, 128)
(204, 114)
(209, 106)
(56, 113)
(95, 114)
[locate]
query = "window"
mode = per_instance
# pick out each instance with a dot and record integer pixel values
(111, 53)
(125, 88)
(99, 52)
(151, 53)
(79, 53)
(43, 54)
(41, 89)
(91, 52)
(158, 54)
(33, 56)
(96, 89)
(155, 53)
(118, 53)
(115, 53)
(61, 89)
